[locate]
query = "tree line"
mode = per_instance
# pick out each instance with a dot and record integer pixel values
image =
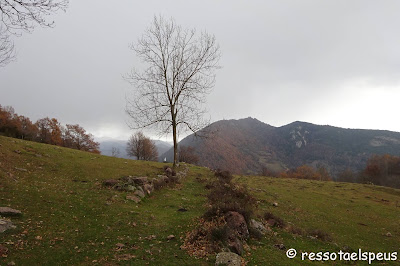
(46, 130)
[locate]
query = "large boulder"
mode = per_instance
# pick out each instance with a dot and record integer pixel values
(228, 258)
(7, 211)
(237, 226)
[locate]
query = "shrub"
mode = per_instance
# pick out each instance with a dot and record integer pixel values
(279, 222)
(225, 196)
(321, 235)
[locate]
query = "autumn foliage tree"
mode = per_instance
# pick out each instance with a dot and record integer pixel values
(75, 137)
(383, 170)
(142, 147)
(45, 130)
(307, 172)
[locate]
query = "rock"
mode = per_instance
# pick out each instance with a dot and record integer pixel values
(170, 237)
(275, 204)
(228, 258)
(139, 193)
(3, 251)
(140, 180)
(133, 198)
(120, 245)
(5, 225)
(237, 226)
(7, 211)
(235, 246)
(21, 169)
(271, 222)
(17, 151)
(148, 188)
(388, 234)
(130, 188)
(110, 182)
(280, 246)
(182, 210)
(258, 226)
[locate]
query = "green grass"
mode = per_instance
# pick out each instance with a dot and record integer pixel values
(69, 218)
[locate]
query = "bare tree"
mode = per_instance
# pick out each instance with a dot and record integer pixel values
(180, 72)
(23, 15)
(7, 52)
(142, 147)
(26, 14)
(115, 152)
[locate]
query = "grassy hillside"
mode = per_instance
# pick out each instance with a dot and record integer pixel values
(69, 218)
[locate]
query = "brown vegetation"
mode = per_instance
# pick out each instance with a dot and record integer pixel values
(142, 147)
(45, 130)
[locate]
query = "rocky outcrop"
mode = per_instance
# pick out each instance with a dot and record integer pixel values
(142, 186)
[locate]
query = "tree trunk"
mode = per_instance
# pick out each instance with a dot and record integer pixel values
(175, 145)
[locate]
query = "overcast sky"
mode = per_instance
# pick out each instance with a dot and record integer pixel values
(324, 62)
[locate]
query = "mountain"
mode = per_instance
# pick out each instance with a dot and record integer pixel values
(106, 147)
(246, 146)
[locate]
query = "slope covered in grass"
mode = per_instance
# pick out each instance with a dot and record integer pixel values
(69, 218)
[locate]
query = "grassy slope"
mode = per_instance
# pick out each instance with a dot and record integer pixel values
(67, 221)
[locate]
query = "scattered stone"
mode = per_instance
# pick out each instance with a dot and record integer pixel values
(140, 180)
(237, 226)
(139, 193)
(275, 204)
(7, 211)
(388, 234)
(3, 251)
(21, 169)
(17, 151)
(271, 222)
(228, 258)
(170, 237)
(110, 182)
(130, 188)
(148, 188)
(280, 246)
(258, 226)
(168, 171)
(5, 225)
(11, 263)
(133, 198)
(182, 210)
(120, 245)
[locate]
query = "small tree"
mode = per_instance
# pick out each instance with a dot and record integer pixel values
(188, 155)
(115, 152)
(180, 72)
(75, 137)
(142, 147)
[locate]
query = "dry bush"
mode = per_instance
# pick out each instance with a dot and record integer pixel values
(279, 222)
(319, 234)
(226, 196)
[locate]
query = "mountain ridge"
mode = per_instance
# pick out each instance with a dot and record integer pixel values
(246, 146)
